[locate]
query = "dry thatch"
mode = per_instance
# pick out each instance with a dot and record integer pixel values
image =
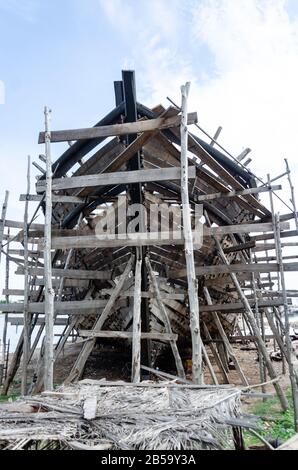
(103, 415)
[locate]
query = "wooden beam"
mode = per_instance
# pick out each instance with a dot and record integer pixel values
(270, 236)
(17, 292)
(240, 247)
(120, 177)
(165, 318)
(2, 220)
(238, 306)
(192, 282)
(147, 238)
(79, 365)
(224, 337)
(128, 335)
(136, 335)
(27, 319)
(55, 199)
(67, 283)
(245, 192)
(206, 158)
(15, 224)
(70, 273)
(117, 129)
(65, 306)
(234, 268)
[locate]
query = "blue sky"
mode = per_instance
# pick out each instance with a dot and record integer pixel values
(240, 55)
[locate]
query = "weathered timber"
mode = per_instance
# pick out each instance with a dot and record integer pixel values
(27, 339)
(65, 306)
(117, 129)
(147, 238)
(136, 335)
(2, 221)
(121, 177)
(128, 335)
(86, 350)
(69, 273)
(224, 338)
(214, 196)
(188, 247)
(165, 318)
(234, 268)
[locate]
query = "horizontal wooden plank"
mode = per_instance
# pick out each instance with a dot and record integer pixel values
(242, 228)
(214, 196)
(271, 236)
(235, 268)
(240, 247)
(16, 292)
(238, 306)
(15, 224)
(120, 177)
(128, 335)
(38, 282)
(19, 321)
(65, 307)
(117, 129)
(31, 253)
(70, 273)
(55, 198)
(147, 239)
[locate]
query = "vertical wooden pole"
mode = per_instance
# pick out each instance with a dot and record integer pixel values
(209, 365)
(4, 335)
(260, 322)
(292, 193)
(216, 355)
(287, 325)
(251, 321)
(188, 240)
(2, 221)
(226, 341)
(26, 345)
(49, 293)
(136, 335)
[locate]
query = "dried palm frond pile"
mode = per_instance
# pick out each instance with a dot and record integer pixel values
(104, 415)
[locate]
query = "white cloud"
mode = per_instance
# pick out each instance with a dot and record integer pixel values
(253, 94)
(241, 57)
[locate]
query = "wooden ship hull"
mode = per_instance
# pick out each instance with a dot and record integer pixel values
(103, 278)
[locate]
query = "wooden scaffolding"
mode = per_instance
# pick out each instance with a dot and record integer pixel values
(198, 285)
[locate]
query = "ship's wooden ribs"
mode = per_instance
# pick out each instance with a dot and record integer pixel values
(86, 350)
(165, 319)
(117, 129)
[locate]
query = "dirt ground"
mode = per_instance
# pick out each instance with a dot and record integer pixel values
(113, 363)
